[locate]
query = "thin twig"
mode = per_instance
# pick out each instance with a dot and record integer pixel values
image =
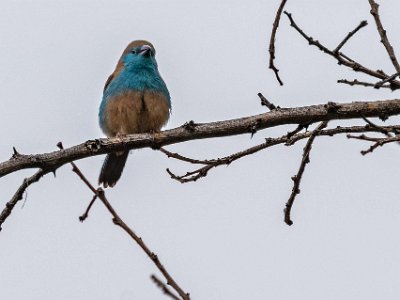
(297, 178)
(19, 194)
(186, 159)
(349, 35)
(363, 83)
(382, 32)
(163, 287)
(272, 41)
(84, 216)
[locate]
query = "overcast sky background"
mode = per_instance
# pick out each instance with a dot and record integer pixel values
(222, 237)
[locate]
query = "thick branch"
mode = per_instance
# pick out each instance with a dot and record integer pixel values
(193, 131)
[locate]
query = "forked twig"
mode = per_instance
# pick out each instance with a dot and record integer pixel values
(377, 142)
(344, 59)
(99, 193)
(288, 139)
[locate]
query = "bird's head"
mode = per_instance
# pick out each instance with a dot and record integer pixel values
(139, 54)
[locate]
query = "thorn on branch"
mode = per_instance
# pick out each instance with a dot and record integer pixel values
(15, 153)
(299, 128)
(383, 117)
(253, 128)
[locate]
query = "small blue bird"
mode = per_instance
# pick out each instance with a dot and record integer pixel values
(135, 100)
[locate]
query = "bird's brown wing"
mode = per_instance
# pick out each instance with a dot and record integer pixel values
(109, 79)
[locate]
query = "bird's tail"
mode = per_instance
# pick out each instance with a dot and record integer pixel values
(112, 168)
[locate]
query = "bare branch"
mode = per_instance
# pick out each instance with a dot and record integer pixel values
(289, 139)
(297, 178)
(341, 57)
(349, 35)
(283, 116)
(99, 193)
(272, 41)
(382, 32)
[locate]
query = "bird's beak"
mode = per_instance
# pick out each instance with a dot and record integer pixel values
(146, 50)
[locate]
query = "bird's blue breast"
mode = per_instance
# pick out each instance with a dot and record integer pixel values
(139, 80)
(133, 79)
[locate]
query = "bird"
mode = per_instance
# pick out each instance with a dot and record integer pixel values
(135, 100)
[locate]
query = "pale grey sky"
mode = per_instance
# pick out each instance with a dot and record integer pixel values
(222, 237)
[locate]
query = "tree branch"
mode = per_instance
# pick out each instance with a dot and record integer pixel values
(282, 116)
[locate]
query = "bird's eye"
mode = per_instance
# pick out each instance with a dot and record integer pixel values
(133, 51)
